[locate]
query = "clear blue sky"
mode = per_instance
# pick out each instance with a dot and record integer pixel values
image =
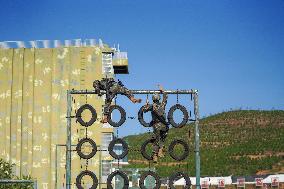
(231, 50)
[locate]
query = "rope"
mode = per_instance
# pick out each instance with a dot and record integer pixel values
(177, 96)
(147, 98)
(86, 98)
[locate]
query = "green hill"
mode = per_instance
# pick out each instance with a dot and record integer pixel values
(242, 142)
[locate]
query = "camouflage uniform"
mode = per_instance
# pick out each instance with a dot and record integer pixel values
(159, 123)
(112, 88)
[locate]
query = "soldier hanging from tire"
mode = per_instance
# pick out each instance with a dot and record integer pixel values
(112, 89)
(159, 123)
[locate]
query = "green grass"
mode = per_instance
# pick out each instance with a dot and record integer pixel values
(232, 143)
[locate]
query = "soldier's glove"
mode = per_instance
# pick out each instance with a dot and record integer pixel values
(145, 107)
(161, 88)
(98, 92)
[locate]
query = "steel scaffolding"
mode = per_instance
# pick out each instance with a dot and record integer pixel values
(192, 92)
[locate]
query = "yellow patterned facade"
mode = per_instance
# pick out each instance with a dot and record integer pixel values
(33, 85)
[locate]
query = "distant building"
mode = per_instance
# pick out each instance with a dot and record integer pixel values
(34, 78)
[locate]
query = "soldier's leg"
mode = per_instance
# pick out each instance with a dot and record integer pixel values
(105, 113)
(163, 134)
(156, 143)
(118, 89)
(107, 108)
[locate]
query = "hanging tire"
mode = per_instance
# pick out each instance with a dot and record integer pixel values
(177, 176)
(175, 156)
(149, 173)
(122, 116)
(84, 173)
(171, 114)
(116, 173)
(79, 148)
(79, 115)
(141, 118)
(143, 149)
(124, 146)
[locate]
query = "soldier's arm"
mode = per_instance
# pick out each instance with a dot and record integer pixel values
(165, 99)
(147, 107)
(165, 96)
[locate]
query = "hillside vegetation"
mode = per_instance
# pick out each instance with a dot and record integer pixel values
(243, 142)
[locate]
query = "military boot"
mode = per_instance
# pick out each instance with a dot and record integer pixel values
(105, 119)
(134, 100)
(161, 152)
(155, 158)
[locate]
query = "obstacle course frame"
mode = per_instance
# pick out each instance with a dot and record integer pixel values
(193, 94)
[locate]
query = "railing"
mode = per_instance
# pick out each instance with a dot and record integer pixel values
(120, 55)
(34, 182)
(51, 43)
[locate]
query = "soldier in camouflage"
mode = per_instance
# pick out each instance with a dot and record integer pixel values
(159, 123)
(111, 88)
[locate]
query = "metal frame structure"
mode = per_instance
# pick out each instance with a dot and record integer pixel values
(194, 95)
(34, 182)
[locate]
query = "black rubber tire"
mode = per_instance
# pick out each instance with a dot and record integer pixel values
(124, 146)
(171, 114)
(122, 116)
(84, 173)
(79, 115)
(120, 173)
(141, 118)
(79, 148)
(153, 174)
(143, 149)
(177, 175)
(185, 153)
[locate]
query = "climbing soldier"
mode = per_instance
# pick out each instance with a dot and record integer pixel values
(159, 123)
(111, 88)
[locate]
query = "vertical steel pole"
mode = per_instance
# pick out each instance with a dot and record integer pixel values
(35, 184)
(68, 142)
(101, 167)
(56, 165)
(197, 140)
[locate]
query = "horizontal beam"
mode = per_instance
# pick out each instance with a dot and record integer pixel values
(166, 91)
(191, 91)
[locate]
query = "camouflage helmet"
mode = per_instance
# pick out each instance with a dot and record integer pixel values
(156, 97)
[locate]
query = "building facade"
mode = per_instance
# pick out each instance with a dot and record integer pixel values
(33, 85)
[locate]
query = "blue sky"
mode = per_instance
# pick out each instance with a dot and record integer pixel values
(231, 50)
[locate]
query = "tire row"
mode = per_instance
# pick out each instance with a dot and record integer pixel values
(170, 116)
(172, 179)
(172, 145)
(115, 141)
(122, 119)
(94, 148)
